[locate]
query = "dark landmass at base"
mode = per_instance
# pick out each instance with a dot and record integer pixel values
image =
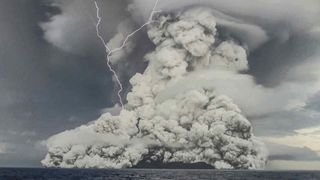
(172, 165)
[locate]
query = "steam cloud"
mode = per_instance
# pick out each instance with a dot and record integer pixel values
(173, 114)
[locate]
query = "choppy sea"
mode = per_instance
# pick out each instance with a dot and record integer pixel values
(124, 174)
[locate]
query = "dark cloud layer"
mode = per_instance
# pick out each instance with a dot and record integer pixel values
(283, 152)
(272, 61)
(42, 89)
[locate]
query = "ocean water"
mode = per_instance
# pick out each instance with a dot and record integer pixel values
(156, 174)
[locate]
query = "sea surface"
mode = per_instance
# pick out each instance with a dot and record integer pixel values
(183, 174)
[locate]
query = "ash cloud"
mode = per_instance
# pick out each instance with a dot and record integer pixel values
(196, 125)
(280, 48)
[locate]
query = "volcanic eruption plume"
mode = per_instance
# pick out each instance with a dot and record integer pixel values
(195, 123)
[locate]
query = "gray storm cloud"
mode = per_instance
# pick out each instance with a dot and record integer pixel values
(196, 125)
(76, 23)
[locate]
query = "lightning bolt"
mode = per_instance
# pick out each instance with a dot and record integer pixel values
(109, 51)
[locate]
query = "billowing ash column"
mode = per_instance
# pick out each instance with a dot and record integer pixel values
(191, 125)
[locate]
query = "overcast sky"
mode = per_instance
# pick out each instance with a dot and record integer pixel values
(53, 74)
(43, 90)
